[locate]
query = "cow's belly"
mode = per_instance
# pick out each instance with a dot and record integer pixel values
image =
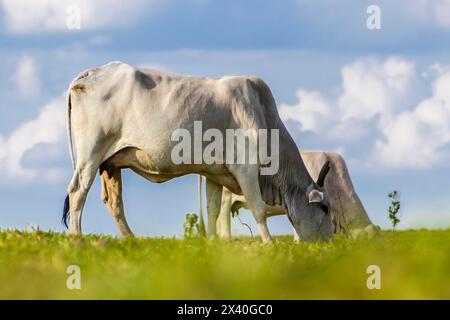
(158, 169)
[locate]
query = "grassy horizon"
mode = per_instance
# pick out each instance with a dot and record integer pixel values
(415, 264)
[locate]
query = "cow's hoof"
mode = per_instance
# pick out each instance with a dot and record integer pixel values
(372, 230)
(368, 232)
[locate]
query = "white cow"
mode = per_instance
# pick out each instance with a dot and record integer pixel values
(347, 210)
(125, 117)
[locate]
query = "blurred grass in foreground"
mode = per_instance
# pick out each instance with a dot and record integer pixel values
(414, 264)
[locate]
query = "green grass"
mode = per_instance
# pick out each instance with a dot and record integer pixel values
(414, 264)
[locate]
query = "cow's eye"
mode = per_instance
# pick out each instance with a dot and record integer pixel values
(324, 208)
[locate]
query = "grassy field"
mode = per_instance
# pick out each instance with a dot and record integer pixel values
(414, 264)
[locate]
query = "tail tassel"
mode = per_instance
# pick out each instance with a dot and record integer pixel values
(66, 213)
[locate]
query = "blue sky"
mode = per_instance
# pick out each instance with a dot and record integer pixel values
(380, 97)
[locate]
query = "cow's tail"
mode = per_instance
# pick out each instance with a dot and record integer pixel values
(66, 210)
(201, 223)
(69, 129)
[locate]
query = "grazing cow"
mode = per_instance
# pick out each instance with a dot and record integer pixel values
(120, 116)
(347, 211)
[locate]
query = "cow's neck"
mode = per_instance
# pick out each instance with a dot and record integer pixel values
(291, 181)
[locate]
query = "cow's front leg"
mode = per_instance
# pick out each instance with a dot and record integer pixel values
(224, 220)
(248, 178)
(112, 197)
(213, 200)
(263, 229)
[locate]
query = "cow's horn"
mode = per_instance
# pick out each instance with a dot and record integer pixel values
(323, 174)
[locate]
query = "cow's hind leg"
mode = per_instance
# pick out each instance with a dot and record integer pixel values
(248, 178)
(77, 192)
(112, 197)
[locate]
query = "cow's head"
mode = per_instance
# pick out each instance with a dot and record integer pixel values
(312, 218)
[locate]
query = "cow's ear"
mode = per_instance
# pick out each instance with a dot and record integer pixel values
(315, 196)
(323, 174)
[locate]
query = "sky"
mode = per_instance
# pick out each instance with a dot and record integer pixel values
(379, 96)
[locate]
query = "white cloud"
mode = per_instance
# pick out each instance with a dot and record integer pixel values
(371, 87)
(45, 131)
(2, 148)
(30, 16)
(418, 138)
(312, 112)
(375, 96)
(27, 80)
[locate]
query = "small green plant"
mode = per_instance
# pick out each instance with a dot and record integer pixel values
(191, 226)
(394, 208)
